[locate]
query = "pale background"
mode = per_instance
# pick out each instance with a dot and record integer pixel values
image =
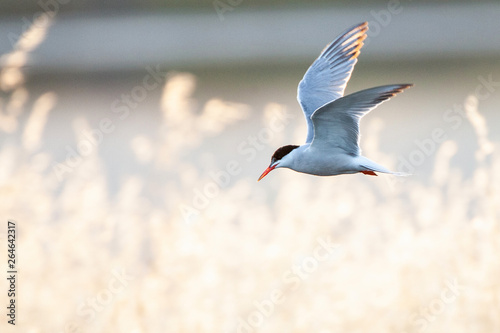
(205, 257)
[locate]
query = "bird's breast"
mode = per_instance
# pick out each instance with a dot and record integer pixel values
(323, 163)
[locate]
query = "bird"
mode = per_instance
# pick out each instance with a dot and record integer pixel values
(332, 142)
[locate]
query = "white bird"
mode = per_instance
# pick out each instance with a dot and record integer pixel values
(332, 144)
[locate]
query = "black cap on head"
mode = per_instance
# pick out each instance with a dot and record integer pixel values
(282, 152)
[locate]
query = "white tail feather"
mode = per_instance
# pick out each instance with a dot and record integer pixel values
(368, 165)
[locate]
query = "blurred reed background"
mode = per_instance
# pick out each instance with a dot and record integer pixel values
(132, 175)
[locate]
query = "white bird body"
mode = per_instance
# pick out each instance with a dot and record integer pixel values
(332, 143)
(307, 159)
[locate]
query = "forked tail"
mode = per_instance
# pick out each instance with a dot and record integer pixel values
(368, 167)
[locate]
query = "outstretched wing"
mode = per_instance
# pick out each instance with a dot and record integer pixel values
(336, 124)
(327, 77)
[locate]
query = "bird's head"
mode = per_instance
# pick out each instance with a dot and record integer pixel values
(281, 158)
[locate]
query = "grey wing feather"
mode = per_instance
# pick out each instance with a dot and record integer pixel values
(336, 124)
(327, 77)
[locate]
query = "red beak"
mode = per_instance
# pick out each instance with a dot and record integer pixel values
(269, 169)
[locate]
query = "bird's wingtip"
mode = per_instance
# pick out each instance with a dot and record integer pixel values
(403, 86)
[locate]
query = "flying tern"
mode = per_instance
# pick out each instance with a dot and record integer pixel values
(332, 143)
